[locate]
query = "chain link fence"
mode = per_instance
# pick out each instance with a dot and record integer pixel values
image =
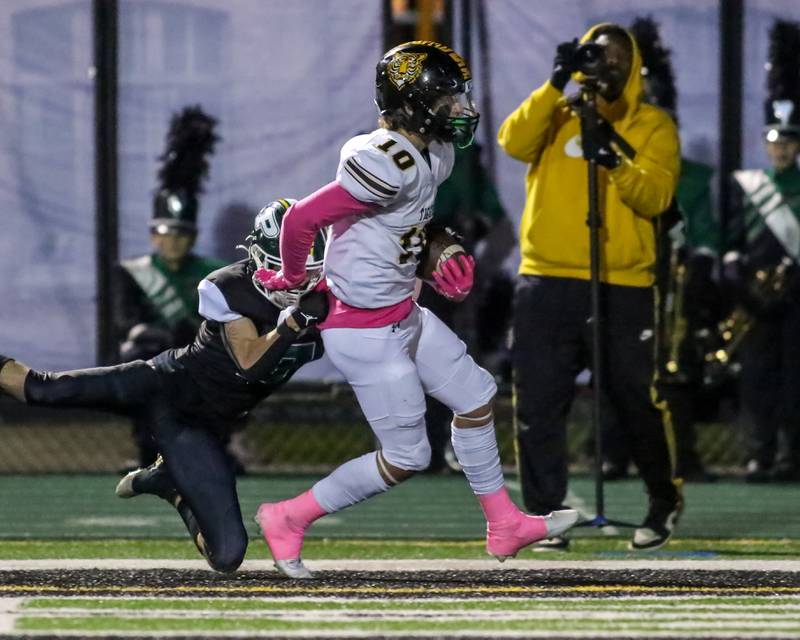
(301, 429)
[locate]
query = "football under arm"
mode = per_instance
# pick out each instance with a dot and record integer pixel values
(256, 356)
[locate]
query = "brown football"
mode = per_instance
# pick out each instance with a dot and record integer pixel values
(441, 243)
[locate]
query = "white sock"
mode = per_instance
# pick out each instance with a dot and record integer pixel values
(476, 450)
(352, 482)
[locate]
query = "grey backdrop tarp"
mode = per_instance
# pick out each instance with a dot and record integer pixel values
(47, 276)
(289, 81)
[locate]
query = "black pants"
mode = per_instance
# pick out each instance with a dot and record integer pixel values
(682, 399)
(193, 451)
(551, 345)
(770, 386)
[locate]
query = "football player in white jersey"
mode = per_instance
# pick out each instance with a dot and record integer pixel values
(391, 351)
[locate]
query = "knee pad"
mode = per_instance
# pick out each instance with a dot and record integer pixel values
(407, 447)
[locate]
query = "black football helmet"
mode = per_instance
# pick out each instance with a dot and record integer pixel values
(426, 88)
(263, 247)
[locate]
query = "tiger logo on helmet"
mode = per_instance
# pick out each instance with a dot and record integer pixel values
(405, 68)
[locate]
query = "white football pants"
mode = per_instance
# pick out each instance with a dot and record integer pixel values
(392, 368)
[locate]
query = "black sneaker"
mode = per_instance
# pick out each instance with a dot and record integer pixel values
(154, 480)
(657, 528)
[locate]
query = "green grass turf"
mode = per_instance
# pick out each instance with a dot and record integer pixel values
(522, 616)
(322, 549)
(425, 508)
(634, 622)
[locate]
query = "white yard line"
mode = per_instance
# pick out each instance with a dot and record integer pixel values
(9, 611)
(413, 565)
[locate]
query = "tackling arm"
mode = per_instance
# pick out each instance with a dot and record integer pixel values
(256, 356)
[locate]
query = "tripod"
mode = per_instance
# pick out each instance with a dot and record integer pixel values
(592, 137)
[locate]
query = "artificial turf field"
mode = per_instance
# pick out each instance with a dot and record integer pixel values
(77, 561)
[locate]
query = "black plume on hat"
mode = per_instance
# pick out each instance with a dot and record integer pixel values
(656, 65)
(782, 107)
(190, 140)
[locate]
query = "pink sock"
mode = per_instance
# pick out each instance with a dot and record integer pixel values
(498, 507)
(304, 509)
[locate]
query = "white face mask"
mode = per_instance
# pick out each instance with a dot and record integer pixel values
(285, 298)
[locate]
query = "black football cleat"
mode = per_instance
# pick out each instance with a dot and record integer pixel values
(154, 480)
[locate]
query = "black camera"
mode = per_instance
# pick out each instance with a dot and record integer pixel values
(590, 59)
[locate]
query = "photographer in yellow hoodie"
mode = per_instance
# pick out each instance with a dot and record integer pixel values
(552, 338)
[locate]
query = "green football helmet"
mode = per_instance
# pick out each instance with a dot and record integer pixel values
(263, 246)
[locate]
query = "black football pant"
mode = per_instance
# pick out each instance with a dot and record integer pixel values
(551, 346)
(193, 452)
(770, 386)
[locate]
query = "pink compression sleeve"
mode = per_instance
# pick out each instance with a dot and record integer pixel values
(325, 206)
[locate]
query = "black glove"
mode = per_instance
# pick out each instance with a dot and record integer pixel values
(144, 341)
(564, 64)
(311, 309)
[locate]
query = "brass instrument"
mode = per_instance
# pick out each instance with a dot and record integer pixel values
(769, 285)
(674, 323)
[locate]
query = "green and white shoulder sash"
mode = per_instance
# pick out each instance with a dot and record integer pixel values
(763, 194)
(161, 293)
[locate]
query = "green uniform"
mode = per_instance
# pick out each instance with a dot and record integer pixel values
(700, 227)
(150, 293)
(768, 224)
(765, 231)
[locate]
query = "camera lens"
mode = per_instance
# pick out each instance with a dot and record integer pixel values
(590, 58)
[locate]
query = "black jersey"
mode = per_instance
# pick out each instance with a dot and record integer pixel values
(226, 295)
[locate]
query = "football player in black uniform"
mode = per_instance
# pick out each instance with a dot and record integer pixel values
(246, 348)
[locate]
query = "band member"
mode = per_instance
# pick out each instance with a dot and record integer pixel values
(155, 306)
(759, 269)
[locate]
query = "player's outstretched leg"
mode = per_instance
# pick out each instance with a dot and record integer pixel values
(507, 528)
(12, 377)
(284, 523)
(155, 480)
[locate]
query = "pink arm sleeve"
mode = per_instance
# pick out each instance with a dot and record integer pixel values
(325, 206)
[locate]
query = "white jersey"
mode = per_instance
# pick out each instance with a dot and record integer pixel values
(370, 260)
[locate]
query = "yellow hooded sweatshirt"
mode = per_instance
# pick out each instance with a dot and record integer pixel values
(554, 237)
